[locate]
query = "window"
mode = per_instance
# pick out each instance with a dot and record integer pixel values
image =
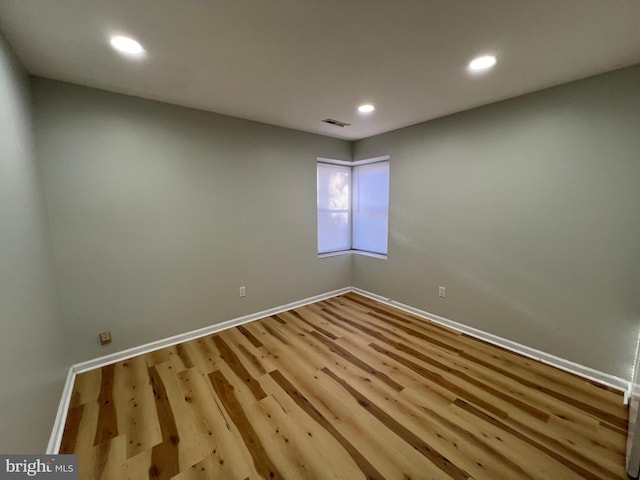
(370, 207)
(334, 208)
(353, 206)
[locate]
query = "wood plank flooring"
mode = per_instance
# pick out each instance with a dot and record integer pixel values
(346, 388)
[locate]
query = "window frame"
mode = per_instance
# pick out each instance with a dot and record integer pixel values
(352, 165)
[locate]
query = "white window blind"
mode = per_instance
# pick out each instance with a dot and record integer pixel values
(371, 207)
(334, 208)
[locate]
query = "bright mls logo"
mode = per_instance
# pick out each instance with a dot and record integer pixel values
(52, 467)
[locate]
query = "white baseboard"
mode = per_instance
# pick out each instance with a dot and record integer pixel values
(566, 365)
(61, 417)
(561, 363)
(201, 332)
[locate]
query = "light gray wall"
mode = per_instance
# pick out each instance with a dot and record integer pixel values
(527, 211)
(32, 362)
(160, 213)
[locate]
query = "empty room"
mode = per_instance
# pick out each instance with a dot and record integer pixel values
(292, 239)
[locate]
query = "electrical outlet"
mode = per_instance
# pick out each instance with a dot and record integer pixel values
(441, 292)
(105, 337)
(243, 292)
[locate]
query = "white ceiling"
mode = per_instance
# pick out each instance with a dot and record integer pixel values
(296, 62)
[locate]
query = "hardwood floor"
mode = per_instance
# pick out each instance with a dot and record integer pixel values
(345, 388)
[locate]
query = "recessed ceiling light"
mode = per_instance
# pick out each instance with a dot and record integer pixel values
(484, 62)
(367, 108)
(126, 45)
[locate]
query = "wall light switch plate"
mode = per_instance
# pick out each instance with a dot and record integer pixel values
(105, 337)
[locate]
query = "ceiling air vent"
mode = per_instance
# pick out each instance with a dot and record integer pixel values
(337, 123)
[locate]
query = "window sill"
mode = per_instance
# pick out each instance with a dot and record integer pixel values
(355, 252)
